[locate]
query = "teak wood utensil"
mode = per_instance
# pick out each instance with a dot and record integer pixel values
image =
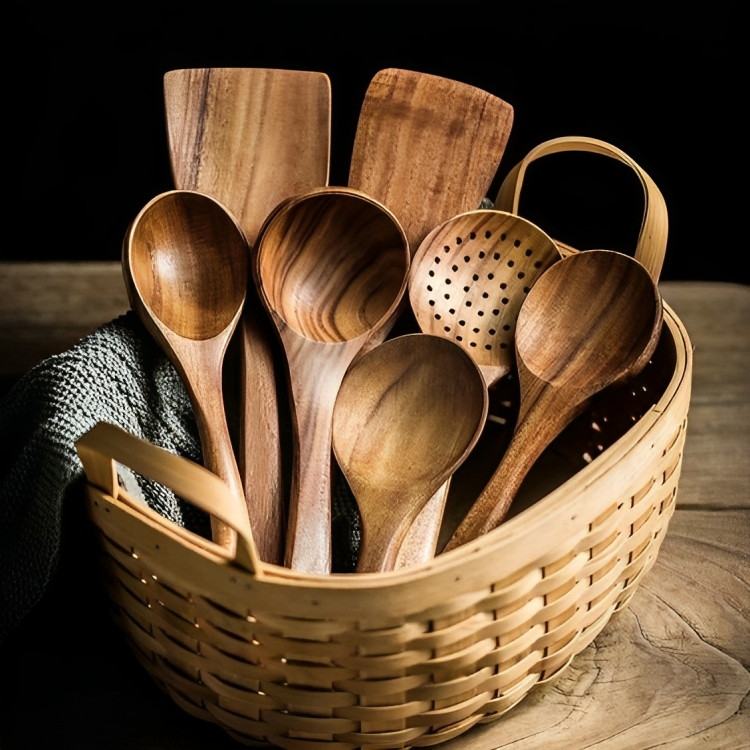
(428, 148)
(467, 282)
(586, 324)
(406, 416)
(251, 137)
(185, 262)
(331, 266)
(469, 278)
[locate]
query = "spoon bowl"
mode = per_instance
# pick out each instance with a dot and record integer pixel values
(173, 252)
(591, 320)
(185, 262)
(407, 415)
(331, 265)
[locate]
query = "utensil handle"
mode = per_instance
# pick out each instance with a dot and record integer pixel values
(260, 441)
(315, 374)
(548, 415)
(652, 239)
(420, 543)
(106, 444)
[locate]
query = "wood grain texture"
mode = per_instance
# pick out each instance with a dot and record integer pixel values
(251, 138)
(670, 671)
(248, 137)
(592, 320)
(185, 263)
(406, 416)
(331, 267)
(428, 148)
(45, 308)
(718, 442)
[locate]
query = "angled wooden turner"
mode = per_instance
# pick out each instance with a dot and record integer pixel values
(428, 148)
(250, 138)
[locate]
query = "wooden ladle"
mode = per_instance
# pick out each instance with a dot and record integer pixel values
(407, 415)
(591, 320)
(185, 262)
(331, 266)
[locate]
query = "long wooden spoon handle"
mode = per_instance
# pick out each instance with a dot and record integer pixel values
(547, 415)
(260, 448)
(381, 543)
(420, 543)
(315, 376)
(216, 444)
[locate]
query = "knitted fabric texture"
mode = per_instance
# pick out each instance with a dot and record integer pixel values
(118, 374)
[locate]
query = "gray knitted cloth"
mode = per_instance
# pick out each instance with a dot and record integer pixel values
(117, 374)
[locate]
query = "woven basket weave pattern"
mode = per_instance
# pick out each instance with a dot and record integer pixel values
(418, 656)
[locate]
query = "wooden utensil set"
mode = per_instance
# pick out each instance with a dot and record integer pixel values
(254, 240)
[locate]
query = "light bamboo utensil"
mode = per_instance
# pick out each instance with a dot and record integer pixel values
(331, 267)
(185, 262)
(407, 415)
(589, 322)
(467, 282)
(251, 137)
(428, 148)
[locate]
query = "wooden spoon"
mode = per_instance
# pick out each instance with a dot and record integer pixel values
(331, 267)
(467, 282)
(185, 262)
(589, 321)
(428, 148)
(251, 137)
(406, 416)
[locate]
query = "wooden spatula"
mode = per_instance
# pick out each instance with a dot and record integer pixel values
(428, 148)
(250, 138)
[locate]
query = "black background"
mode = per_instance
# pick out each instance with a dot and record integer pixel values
(660, 80)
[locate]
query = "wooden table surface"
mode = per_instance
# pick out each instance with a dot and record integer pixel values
(670, 671)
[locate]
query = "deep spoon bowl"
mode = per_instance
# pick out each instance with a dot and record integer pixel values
(187, 260)
(407, 415)
(331, 264)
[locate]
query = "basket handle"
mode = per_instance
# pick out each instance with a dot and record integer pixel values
(106, 443)
(652, 239)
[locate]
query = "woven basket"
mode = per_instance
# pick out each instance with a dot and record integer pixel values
(417, 656)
